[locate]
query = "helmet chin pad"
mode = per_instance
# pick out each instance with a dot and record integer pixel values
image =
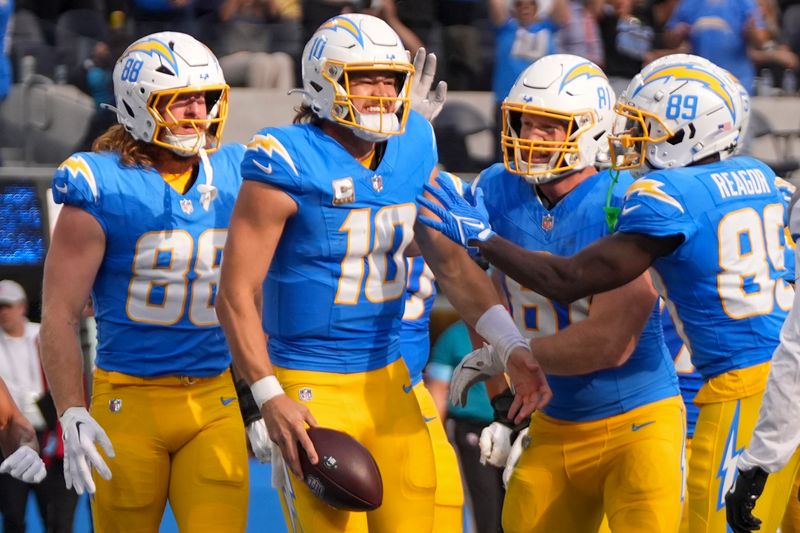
(373, 127)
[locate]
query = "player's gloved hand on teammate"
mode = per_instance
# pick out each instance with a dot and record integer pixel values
(476, 366)
(258, 437)
(80, 433)
(425, 101)
(25, 465)
(520, 443)
(462, 220)
(741, 499)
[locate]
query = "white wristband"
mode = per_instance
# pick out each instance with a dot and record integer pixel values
(499, 330)
(266, 389)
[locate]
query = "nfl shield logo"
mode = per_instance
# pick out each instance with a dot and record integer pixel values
(547, 222)
(305, 394)
(115, 405)
(377, 183)
(186, 206)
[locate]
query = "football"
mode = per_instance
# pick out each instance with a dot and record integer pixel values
(346, 476)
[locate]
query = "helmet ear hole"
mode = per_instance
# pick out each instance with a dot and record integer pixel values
(128, 109)
(316, 86)
(677, 138)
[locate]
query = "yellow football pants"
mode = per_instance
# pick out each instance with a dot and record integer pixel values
(723, 431)
(174, 438)
(448, 513)
(379, 409)
(629, 467)
(791, 520)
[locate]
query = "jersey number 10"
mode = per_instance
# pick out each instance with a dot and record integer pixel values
(383, 283)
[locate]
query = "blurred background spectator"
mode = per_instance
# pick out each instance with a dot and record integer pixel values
(21, 369)
(484, 482)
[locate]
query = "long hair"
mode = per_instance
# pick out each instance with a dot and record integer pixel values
(132, 152)
(304, 115)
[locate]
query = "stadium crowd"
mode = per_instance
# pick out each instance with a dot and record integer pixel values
(618, 183)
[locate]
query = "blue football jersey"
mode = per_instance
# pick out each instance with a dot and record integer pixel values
(726, 284)
(154, 292)
(415, 343)
(689, 379)
(335, 292)
(577, 220)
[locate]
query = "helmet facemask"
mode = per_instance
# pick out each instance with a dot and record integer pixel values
(525, 157)
(207, 132)
(631, 133)
(392, 111)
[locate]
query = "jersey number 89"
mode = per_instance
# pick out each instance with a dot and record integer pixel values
(747, 248)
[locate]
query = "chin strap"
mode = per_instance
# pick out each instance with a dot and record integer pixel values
(207, 191)
(611, 212)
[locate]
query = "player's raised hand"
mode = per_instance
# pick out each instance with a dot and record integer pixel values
(741, 500)
(81, 434)
(460, 220)
(286, 424)
(425, 101)
(531, 391)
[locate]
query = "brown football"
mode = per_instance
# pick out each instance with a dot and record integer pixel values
(346, 476)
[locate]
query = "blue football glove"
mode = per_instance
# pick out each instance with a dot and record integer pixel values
(462, 221)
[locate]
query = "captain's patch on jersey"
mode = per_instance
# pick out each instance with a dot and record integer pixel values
(343, 191)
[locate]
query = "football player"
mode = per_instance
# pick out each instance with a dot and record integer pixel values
(142, 228)
(616, 410)
(712, 227)
(326, 211)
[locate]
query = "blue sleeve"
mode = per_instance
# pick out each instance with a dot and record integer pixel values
(267, 160)
(654, 208)
(75, 184)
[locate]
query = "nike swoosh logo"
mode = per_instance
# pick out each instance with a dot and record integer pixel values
(62, 188)
(630, 209)
(407, 388)
(266, 169)
(226, 401)
(637, 427)
(429, 419)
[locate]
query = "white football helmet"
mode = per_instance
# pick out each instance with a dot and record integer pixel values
(679, 109)
(347, 45)
(152, 73)
(742, 120)
(563, 87)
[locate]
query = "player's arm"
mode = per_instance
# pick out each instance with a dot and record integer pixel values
(256, 227)
(606, 338)
(600, 267)
(76, 252)
(15, 430)
(470, 291)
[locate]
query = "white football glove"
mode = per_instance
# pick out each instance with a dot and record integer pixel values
(495, 444)
(476, 366)
(424, 101)
(80, 433)
(24, 465)
(513, 456)
(259, 440)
